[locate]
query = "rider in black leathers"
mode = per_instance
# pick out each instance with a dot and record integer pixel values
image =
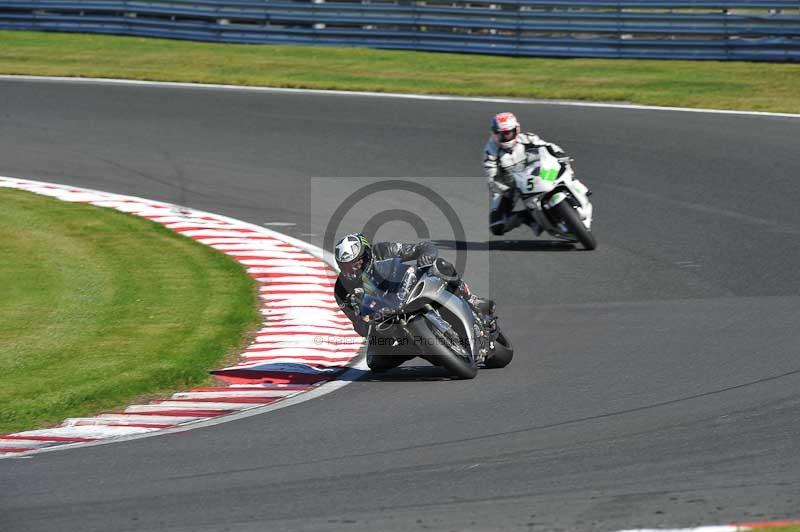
(355, 255)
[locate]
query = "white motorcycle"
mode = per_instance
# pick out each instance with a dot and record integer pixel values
(554, 199)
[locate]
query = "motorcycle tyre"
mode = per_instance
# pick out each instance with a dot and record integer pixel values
(382, 358)
(440, 354)
(566, 212)
(502, 353)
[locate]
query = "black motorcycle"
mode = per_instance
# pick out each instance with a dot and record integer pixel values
(411, 313)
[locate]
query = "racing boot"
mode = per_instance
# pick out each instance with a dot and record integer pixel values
(500, 225)
(512, 221)
(526, 218)
(483, 307)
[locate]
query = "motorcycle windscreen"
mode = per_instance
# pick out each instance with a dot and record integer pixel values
(381, 286)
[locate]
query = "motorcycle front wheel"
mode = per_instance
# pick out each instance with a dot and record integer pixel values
(382, 356)
(567, 213)
(443, 349)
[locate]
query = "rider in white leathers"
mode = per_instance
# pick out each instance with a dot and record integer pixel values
(508, 147)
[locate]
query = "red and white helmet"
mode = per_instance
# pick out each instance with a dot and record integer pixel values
(505, 129)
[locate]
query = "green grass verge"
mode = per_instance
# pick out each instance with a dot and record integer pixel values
(710, 84)
(789, 528)
(101, 308)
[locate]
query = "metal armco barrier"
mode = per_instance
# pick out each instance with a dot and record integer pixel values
(737, 30)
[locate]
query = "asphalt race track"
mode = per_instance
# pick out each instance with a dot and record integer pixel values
(656, 379)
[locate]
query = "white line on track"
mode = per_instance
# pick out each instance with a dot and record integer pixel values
(699, 529)
(741, 527)
(430, 97)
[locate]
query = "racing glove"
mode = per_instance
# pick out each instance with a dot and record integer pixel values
(355, 297)
(424, 261)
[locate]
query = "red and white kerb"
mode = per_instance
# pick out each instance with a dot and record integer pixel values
(304, 339)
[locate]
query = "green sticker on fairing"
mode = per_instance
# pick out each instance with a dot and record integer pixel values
(556, 198)
(549, 174)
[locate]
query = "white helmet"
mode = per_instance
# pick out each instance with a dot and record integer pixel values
(505, 129)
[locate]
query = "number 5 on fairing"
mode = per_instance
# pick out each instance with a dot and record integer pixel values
(555, 199)
(529, 185)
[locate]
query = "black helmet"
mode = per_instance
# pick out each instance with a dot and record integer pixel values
(353, 255)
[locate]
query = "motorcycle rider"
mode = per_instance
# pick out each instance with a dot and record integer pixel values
(355, 255)
(506, 148)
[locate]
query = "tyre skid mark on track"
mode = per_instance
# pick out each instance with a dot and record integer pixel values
(304, 341)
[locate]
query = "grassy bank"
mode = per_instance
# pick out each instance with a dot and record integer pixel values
(711, 84)
(100, 308)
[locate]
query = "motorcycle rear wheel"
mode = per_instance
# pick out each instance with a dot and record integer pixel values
(502, 353)
(439, 349)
